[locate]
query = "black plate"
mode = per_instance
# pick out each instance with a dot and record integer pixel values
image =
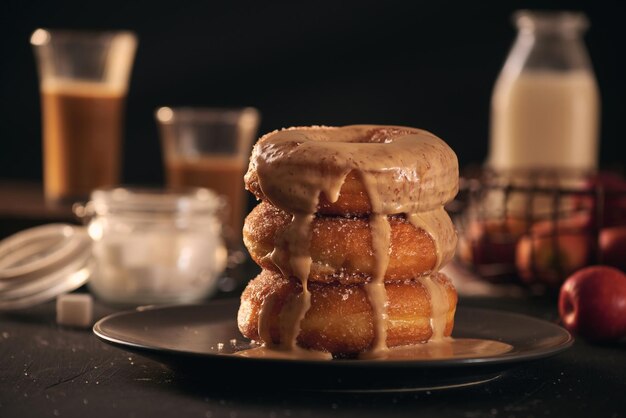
(198, 340)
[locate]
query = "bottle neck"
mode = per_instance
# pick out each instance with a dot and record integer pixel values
(551, 49)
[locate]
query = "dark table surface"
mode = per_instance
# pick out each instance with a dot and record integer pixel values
(48, 370)
(22, 206)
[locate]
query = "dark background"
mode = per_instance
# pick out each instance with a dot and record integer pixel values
(426, 64)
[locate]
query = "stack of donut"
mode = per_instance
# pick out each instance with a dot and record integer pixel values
(351, 234)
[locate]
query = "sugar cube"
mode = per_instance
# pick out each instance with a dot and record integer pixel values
(75, 309)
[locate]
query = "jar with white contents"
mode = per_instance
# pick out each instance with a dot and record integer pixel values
(155, 247)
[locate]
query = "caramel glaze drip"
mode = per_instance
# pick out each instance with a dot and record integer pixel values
(445, 238)
(404, 170)
(376, 292)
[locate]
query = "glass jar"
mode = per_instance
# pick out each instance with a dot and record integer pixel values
(545, 104)
(155, 247)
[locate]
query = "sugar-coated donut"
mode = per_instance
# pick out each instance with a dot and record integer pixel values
(340, 318)
(351, 234)
(410, 169)
(341, 248)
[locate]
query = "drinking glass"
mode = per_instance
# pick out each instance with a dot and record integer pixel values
(83, 80)
(210, 147)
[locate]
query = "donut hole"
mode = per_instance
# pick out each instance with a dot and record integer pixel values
(386, 135)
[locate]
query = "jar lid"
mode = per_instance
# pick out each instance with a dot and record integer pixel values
(156, 201)
(39, 264)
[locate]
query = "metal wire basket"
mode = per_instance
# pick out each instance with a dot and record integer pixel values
(538, 227)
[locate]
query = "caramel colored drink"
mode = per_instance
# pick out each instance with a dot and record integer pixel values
(83, 80)
(224, 175)
(210, 147)
(82, 138)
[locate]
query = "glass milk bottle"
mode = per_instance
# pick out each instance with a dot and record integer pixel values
(545, 104)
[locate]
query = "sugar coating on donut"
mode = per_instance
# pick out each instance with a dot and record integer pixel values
(340, 318)
(341, 247)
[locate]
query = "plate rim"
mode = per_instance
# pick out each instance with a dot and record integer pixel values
(502, 359)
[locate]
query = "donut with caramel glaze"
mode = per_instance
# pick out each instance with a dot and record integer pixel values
(341, 248)
(340, 319)
(411, 169)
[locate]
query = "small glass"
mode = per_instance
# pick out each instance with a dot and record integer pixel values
(83, 80)
(210, 147)
(152, 246)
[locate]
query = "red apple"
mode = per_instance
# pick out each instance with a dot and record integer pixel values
(592, 303)
(612, 243)
(550, 259)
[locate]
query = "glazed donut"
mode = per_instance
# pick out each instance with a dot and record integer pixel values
(410, 170)
(340, 319)
(341, 248)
